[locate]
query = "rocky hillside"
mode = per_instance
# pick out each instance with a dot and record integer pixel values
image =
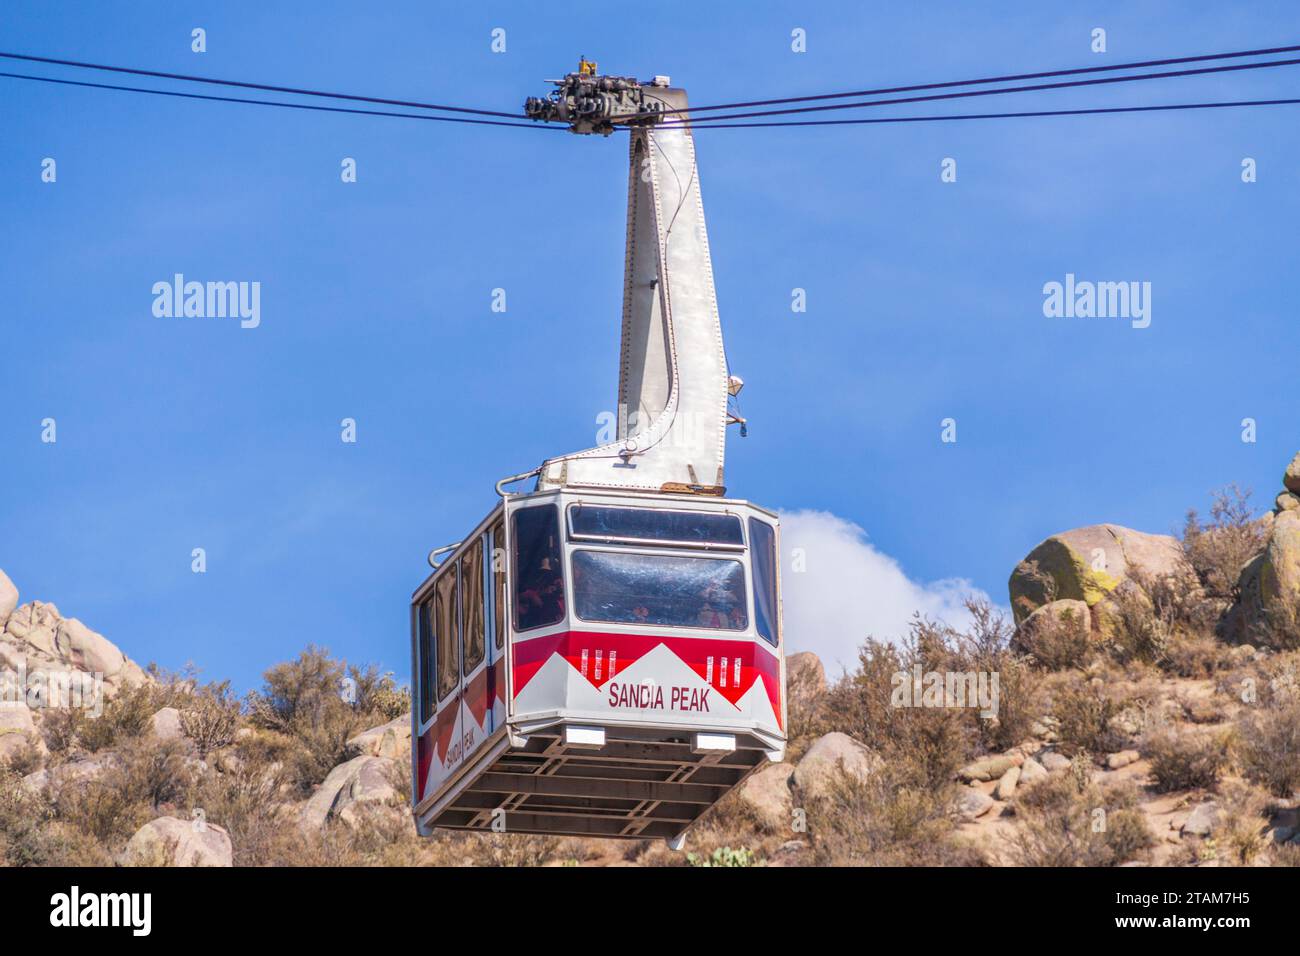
(1141, 707)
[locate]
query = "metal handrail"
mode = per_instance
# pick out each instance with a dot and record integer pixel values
(514, 478)
(445, 548)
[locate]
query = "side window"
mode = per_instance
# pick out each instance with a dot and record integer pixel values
(471, 602)
(762, 549)
(499, 599)
(444, 629)
(425, 632)
(539, 581)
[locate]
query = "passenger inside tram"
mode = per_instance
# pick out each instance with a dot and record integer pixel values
(539, 589)
(541, 595)
(660, 590)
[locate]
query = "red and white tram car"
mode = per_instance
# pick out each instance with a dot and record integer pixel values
(597, 664)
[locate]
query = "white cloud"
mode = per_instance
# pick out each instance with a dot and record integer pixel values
(850, 591)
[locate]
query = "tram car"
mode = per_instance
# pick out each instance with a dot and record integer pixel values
(597, 664)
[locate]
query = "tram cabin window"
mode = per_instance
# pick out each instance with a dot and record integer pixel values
(444, 624)
(471, 600)
(644, 524)
(657, 589)
(424, 630)
(499, 599)
(762, 547)
(539, 577)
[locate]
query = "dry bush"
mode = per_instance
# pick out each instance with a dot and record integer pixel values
(1242, 825)
(1218, 548)
(1065, 822)
(245, 801)
(927, 744)
(1083, 709)
(1057, 643)
(934, 742)
(125, 715)
(149, 776)
(25, 759)
(210, 717)
(1185, 760)
(1268, 746)
(379, 694)
(886, 821)
(1286, 854)
(320, 703)
(30, 836)
(1141, 628)
(1197, 655)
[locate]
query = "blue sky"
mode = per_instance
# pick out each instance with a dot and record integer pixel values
(924, 298)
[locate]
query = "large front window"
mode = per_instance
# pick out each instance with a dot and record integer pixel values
(539, 583)
(669, 590)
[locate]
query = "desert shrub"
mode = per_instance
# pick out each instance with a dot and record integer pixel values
(1197, 655)
(1286, 854)
(148, 775)
(320, 703)
(379, 694)
(1068, 822)
(295, 692)
(723, 856)
(30, 836)
(985, 647)
(102, 811)
(928, 743)
(1056, 643)
(125, 715)
(245, 801)
(59, 729)
(886, 821)
(1217, 549)
(1268, 747)
(1140, 628)
(1083, 710)
(1242, 824)
(210, 717)
(24, 759)
(1183, 760)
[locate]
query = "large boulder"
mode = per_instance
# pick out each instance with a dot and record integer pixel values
(1291, 477)
(804, 674)
(1087, 564)
(168, 841)
(392, 740)
(767, 794)
(348, 788)
(166, 724)
(74, 774)
(1279, 571)
(8, 598)
(17, 729)
(990, 768)
(1267, 608)
(39, 637)
(33, 626)
(828, 758)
